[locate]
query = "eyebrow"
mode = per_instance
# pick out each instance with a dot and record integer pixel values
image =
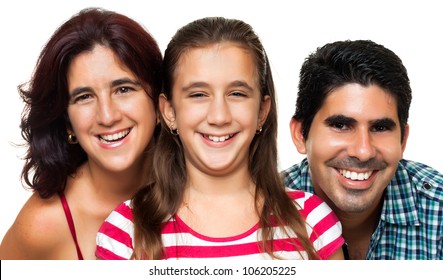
(125, 81)
(79, 90)
(236, 83)
(243, 84)
(387, 122)
(114, 83)
(339, 119)
(194, 85)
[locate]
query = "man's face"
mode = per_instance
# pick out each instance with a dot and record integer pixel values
(353, 146)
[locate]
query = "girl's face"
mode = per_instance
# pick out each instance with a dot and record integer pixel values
(216, 106)
(111, 115)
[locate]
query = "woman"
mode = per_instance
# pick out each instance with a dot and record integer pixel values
(90, 121)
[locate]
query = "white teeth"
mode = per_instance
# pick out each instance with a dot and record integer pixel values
(219, 138)
(354, 175)
(113, 137)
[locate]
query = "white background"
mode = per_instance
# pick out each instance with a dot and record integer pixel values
(134, 270)
(289, 30)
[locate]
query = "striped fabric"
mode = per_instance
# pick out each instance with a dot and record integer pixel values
(115, 237)
(411, 221)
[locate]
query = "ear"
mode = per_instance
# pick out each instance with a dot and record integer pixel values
(405, 139)
(297, 135)
(166, 110)
(69, 129)
(265, 106)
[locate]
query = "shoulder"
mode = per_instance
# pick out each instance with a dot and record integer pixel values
(120, 217)
(421, 170)
(306, 200)
(426, 180)
(115, 236)
(295, 170)
(37, 232)
(297, 176)
(323, 226)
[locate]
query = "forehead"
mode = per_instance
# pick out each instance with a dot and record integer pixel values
(101, 61)
(216, 62)
(362, 103)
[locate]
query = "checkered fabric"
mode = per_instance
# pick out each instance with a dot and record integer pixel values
(411, 222)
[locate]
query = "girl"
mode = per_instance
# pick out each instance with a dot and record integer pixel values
(218, 192)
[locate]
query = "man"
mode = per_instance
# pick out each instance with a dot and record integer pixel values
(351, 122)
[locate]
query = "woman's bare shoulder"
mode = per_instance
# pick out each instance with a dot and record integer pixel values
(38, 231)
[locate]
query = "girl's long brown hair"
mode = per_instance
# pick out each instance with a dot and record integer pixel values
(153, 205)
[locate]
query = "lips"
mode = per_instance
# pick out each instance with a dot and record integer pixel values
(111, 138)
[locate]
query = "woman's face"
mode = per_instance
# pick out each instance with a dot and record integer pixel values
(111, 114)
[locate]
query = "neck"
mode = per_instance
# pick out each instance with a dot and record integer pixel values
(357, 224)
(210, 185)
(219, 206)
(116, 185)
(216, 192)
(358, 229)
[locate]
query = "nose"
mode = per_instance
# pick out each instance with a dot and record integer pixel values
(219, 112)
(362, 146)
(108, 111)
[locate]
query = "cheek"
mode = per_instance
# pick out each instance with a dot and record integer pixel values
(248, 115)
(317, 152)
(320, 143)
(391, 152)
(80, 119)
(140, 108)
(143, 112)
(190, 116)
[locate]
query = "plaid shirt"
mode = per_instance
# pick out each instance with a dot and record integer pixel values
(411, 222)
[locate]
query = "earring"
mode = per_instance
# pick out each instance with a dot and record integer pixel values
(173, 131)
(72, 139)
(259, 130)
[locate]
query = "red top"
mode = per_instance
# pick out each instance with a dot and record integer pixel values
(71, 224)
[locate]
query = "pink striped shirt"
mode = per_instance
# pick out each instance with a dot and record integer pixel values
(115, 236)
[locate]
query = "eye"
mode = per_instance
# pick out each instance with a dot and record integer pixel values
(379, 128)
(82, 98)
(123, 90)
(383, 125)
(340, 122)
(339, 125)
(238, 94)
(197, 95)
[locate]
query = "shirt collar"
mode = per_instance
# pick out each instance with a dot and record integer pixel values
(399, 205)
